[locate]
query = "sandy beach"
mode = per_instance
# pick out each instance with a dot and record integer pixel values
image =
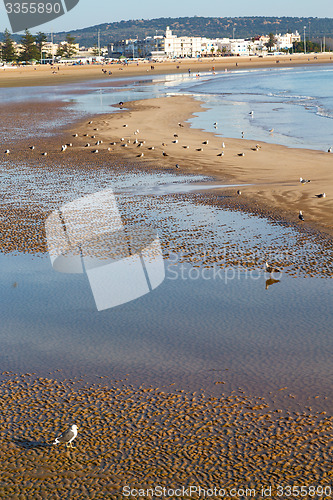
(132, 434)
(46, 75)
(270, 173)
(132, 438)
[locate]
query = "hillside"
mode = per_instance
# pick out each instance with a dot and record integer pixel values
(211, 27)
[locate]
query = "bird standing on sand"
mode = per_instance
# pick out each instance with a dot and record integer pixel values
(221, 154)
(67, 437)
(303, 181)
(239, 192)
(270, 269)
(300, 215)
(241, 154)
(63, 147)
(205, 142)
(7, 152)
(177, 166)
(321, 195)
(164, 153)
(31, 147)
(223, 145)
(329, 149)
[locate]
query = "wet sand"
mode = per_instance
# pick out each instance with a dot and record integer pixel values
(45, 75)
(144, 437)
(270, 173)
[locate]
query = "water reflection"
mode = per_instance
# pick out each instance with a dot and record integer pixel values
(88, 235)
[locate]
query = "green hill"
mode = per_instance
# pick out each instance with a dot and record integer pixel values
(212, 27)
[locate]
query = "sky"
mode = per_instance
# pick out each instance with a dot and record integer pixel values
(92, 12)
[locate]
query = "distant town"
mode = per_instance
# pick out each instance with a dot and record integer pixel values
(168, 46)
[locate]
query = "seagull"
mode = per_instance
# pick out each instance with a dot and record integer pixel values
(96, 129)
(7, 152)
(95, 151)
(175, 135)
(270, 269)
(303, 181)
(329, 149)
(140, 145)
(321, 195)
(98, 143)
(87, 145)
(63, 148)
(186, 147)
(199, 149)
(215, 123)
(125, 125)
(67, 437)
(69, 145)
(113, 143)
(124, 145)
(177, 166)
(164, 153)
(239, 192)
(241, 154)
(44, 154)
(142, 154)
(137, 131)
(180, 125)
(251, 113)
(175, 142)
(205, 142)
(221, 154)
(300, 215)
(31, 147)
(255, 149)
(136, 141)
(152, 148)
(223, 145)
(75, 135)
(90, 123)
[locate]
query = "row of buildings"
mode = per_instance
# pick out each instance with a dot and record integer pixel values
(172, 46)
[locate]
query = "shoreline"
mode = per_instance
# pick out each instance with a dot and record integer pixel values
(272, 172)
(45, 75)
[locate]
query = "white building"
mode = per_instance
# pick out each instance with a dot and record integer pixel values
(184, 46)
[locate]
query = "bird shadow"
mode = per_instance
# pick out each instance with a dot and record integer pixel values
(28, 444)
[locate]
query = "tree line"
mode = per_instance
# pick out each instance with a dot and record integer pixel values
(32, 48)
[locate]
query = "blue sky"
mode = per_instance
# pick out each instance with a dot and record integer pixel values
(92, 12)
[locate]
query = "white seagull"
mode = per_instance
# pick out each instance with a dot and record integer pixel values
(303, 181)
(67, 437)
(63, 147)
(31, 147)
(321, 195)
(300, 215)
(7, 152)
(269, 269)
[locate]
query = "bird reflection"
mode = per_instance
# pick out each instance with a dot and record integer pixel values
(270, 281)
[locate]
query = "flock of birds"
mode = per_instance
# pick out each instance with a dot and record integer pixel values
(68, 436)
